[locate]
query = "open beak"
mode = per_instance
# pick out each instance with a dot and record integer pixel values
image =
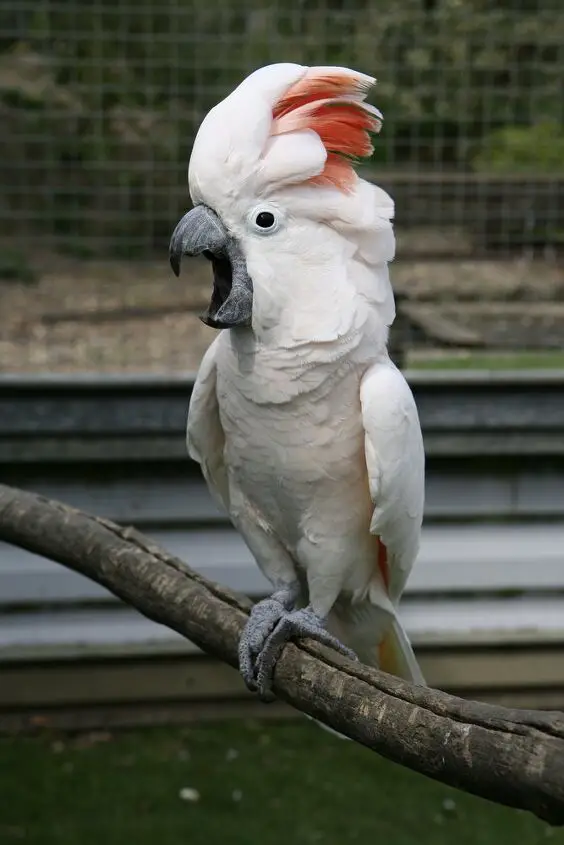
(201, 232)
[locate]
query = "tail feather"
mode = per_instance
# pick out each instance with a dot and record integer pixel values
(328, 729)
(376, 634)
(395, 655)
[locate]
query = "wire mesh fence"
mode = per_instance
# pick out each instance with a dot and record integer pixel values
(100, 102)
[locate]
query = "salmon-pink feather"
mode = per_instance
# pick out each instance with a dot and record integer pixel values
(337, 173)
(331, 104)
(318, 84)
(383, 563)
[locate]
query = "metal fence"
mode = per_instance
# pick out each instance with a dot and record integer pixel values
(100, 101)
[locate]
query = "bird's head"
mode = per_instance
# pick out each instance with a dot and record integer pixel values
(273, 184)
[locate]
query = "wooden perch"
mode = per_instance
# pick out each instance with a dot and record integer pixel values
(513, 757)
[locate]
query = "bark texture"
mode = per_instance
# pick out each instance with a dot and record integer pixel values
(512, 757)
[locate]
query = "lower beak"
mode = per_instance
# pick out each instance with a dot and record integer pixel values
(201, 232)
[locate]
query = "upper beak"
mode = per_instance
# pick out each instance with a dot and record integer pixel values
(199, 232)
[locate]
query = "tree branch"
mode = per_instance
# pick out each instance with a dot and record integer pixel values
(512, 757)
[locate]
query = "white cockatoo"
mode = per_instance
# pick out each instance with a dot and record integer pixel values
(306, 432)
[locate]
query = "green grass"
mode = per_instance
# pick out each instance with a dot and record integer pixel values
(486, 360)
(269, 783)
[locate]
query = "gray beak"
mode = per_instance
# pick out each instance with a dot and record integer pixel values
(201, 232)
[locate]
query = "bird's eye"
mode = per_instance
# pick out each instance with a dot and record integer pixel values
(265, 219)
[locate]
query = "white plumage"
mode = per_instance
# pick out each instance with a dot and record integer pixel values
(306, 432)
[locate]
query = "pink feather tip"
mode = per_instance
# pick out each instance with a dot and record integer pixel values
(331, 103)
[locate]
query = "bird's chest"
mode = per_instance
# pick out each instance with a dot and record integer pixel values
(288, 455)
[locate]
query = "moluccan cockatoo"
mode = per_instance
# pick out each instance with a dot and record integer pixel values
(306, 432)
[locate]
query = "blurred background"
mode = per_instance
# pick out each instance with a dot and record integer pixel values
(111, 726)
(99, 104)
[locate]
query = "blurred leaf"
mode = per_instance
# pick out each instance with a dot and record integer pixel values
(14, 267)
(537, 149)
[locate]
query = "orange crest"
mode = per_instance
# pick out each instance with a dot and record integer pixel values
(330, 101)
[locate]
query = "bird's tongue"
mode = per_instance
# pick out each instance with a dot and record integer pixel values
(222, 285)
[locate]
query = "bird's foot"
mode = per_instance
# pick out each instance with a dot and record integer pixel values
(263, 618)
(265, 636)
(301, 623)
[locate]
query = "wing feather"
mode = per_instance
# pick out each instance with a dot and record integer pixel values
(205, 437)
(395, 461)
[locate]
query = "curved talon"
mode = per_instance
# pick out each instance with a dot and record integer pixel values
(302, 623)
(263, 618)
(271, 624)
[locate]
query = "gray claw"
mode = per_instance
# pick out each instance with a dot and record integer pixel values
(299, 623)
(263, 618)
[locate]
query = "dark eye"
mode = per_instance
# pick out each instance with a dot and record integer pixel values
(265, 220)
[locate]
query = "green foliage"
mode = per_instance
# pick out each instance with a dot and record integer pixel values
(14, 267)
(532, 150)
(464, 360)
(104, 98)
(533, 219)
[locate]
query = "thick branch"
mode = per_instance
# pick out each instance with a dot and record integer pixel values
(513, 757)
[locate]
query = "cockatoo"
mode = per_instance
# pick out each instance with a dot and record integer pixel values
(306, 433)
